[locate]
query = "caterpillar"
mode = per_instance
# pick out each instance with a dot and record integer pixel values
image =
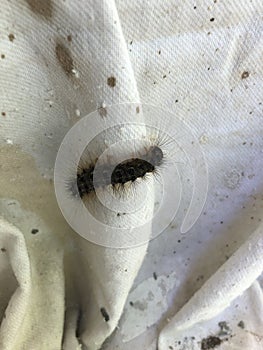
(128, 170)
(107, 167)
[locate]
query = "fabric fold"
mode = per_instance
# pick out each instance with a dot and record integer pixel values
(14, 264)
(234, 277)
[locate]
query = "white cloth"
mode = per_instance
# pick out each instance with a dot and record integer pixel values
(203, 62)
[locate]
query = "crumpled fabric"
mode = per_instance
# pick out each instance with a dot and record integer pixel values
(198, 290)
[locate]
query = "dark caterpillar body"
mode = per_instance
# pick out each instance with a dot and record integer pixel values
(129, 170)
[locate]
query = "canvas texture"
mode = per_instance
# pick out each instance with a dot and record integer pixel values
(199, 60)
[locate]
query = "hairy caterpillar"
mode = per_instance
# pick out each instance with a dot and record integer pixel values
(106, 169)
(128, 170)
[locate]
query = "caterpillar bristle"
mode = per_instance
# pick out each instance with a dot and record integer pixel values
(123, 176)
(156, 152)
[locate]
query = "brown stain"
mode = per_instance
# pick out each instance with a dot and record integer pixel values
(64, 57)
(41, 7)
(2, 56)
(210, 343)
(69, 38)
(245, 75)
(11, 37)
(102, 112)
(21, 180)
(111, 81)
(241, 324)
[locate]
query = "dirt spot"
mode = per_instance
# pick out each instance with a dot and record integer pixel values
(34, 231)
(41, 7)
(224, 328)
(241, 324)
(155, 276)
(245, 75)
(3, 250)
(105, 314)
(69, 38)
(111, 81)
(3, 114)
(2, 56)
(102, 112)
(210, 343)
(200, 278)
(233, 179)
(137, 109)
(11, 37)
(64, 58)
